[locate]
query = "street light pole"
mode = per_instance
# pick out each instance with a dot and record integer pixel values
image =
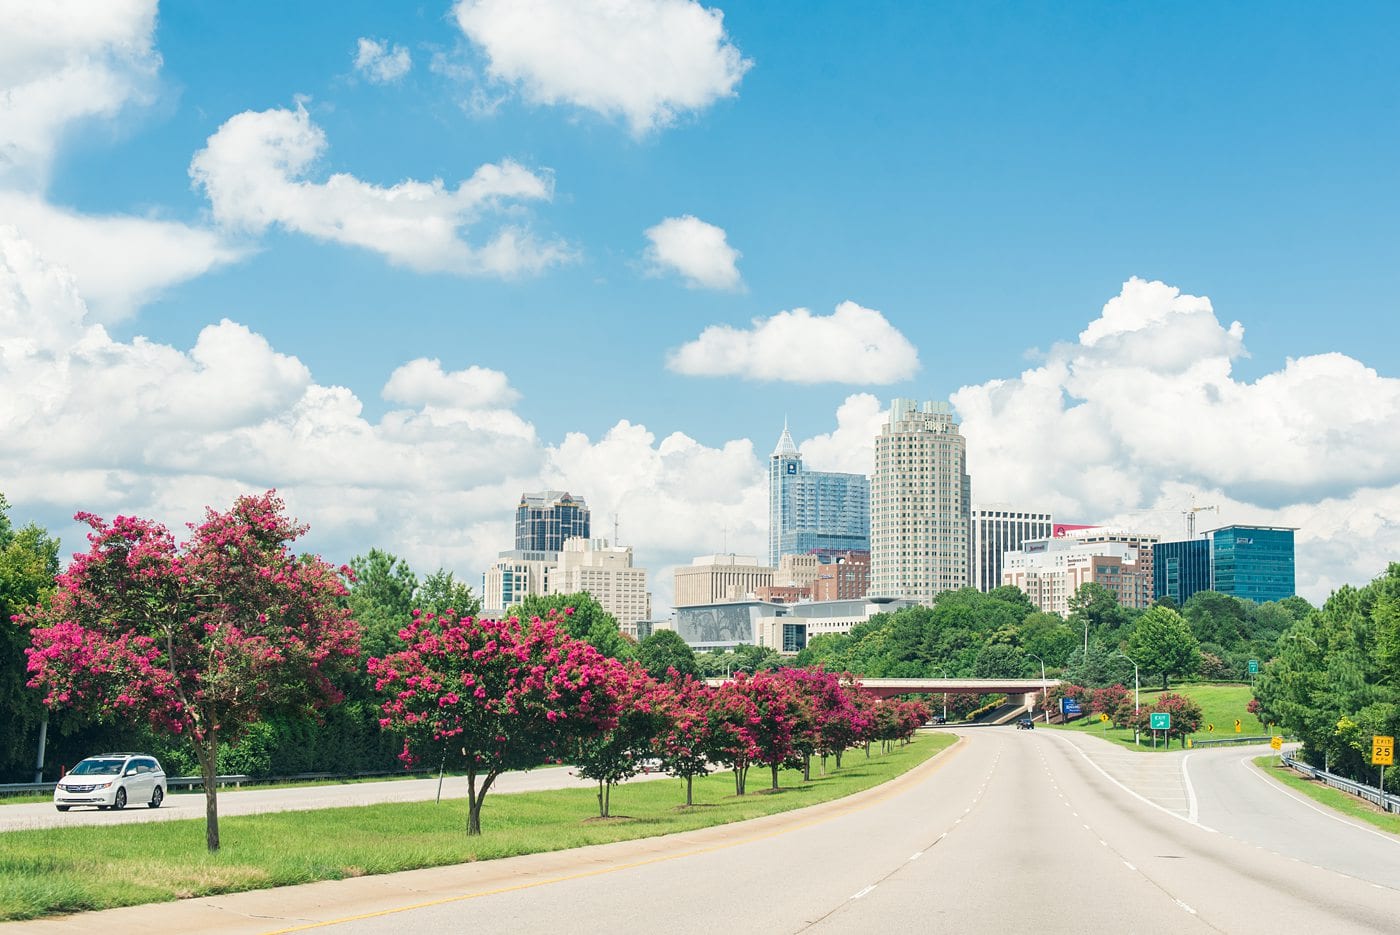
(1043, 689)
(944, 673)
(1137, 697)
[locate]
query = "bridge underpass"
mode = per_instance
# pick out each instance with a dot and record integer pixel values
(1019, 692)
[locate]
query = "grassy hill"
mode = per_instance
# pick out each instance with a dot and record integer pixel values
(1221, 705)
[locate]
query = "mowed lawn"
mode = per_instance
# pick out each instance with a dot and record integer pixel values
(1221, 706)
(83, 868)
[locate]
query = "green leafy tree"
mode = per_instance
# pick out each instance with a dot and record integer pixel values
(381, 599)
(441, 592)
(1096, 607)
(1162, 643)
(1218, 618)
(582, 617)
(28, 564)
(665, 650)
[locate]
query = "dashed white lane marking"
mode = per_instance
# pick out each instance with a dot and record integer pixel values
(1186, 907)
(1130, 866)
(916, 855)
(864, 891)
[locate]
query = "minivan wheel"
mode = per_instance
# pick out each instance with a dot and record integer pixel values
(120, 801)
(63, 808)
(156, 797)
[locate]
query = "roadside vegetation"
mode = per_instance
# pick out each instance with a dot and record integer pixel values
(84, 868)
(1220, 706)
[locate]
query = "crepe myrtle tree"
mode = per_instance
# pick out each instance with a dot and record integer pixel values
(730, 722)
(507, 694)
(686, 743)
(202, 639)
(618, 752)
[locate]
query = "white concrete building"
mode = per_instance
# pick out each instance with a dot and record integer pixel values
(1050, 571)
(715, 579)
(920, 504)
(516, 574)
(607, 574)
(996, 529)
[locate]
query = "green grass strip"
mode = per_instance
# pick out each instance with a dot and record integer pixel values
(1336, 799)
(82, 868)
(1221, 705)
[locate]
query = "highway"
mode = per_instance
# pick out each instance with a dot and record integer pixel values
(1009, 831)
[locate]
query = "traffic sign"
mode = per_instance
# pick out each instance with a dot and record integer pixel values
(1238, 728)
(1382, 751)
(1069, 706)
(1103, 717)
(1276, 742)
(1210, 728)
(1160, 720)
(1254, 667)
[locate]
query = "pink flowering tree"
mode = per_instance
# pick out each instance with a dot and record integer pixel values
(685, 741)
(1186, 716)
(731, 719)
(618, 752)
(1115, 701)
(846, 716)
(773, 720)
(506, 694)
(824, 717)
(199, 640)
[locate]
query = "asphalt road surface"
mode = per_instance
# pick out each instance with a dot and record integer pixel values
(1008, 832)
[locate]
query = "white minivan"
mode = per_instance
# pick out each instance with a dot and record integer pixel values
(111, 780)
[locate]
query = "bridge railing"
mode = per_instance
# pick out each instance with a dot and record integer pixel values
(1391, 803)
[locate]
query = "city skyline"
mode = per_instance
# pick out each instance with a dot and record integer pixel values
(401, 265)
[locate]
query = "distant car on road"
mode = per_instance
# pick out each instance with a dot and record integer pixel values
(1025, 723)
(938, 719)
(111, 780)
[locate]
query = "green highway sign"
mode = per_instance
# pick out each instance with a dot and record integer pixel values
(1160, 720)
(1254, 667)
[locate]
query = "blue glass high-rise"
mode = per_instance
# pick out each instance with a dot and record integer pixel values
(810, 510)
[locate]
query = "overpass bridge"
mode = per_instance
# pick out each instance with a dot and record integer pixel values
(1019, 692)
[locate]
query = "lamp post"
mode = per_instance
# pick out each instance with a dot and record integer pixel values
(944, 672)
(1137, 697)
(1045, 713)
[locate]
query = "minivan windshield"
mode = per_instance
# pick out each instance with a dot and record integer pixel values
(96, 767)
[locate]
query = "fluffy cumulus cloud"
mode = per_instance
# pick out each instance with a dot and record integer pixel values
(698, 251)
(381, 62)
(1143, 412)
(852, 345)
(64, 64)
(645, 61)
(62, 61)
(255, 171)
(850, 447)
(95, 423)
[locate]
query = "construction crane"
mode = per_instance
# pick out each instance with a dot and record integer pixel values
(1191, 518)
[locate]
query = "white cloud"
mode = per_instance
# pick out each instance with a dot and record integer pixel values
(852, 345)
(851, 446)
(62, 61)
(254, 171)
(141, 427)
(696, 250)
(422, 382)
(1143, 411)
(120, 262)
(380, 62)
(646, 61)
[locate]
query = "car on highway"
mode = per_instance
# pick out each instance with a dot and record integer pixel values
(110, 781)
(1025, 723)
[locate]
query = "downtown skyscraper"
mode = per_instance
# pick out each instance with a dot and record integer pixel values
(813, 510)
(920, 504)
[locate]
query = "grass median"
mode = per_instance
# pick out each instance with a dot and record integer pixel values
(1343, 802)
(1221, 705)
(77, 869)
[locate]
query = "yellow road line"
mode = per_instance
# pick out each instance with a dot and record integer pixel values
(932, 764)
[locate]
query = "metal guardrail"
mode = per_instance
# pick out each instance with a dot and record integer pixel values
(171, 782)
(1388, 802)
(1226, 741)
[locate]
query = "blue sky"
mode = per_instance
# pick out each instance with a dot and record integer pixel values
(979, 180)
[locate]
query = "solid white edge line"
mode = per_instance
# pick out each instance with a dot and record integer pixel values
(1191, 812)
(864, 891)
(1165, 811)
(1248, 763)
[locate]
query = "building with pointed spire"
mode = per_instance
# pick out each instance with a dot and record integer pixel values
(810, 510)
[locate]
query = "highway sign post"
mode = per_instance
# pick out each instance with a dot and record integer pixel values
(1159, 720)
(1104, 718)
(1254, 667)
(1382, 755)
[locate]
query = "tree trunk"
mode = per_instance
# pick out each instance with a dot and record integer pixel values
(474, 799)
(838, 758)
(602, 806)
(607, 801)
(689, 782)
(1164, 681)
(807, 768)
(207, 752)
(867, 749)
(824, 764)
(774, 767)
(738, 786)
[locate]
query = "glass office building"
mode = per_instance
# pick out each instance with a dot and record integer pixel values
(544, 521)
(1180, 569)
(1253, 562)
(810, 510)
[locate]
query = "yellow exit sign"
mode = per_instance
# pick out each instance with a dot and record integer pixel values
(1382, 751)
